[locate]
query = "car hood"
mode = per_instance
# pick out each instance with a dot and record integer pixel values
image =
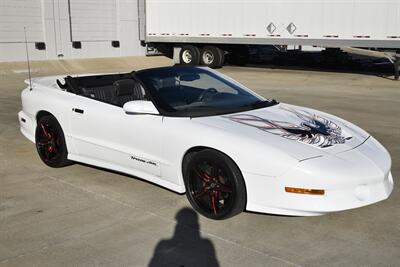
(300, 132)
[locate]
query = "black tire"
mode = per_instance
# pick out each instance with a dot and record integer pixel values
(50, 142)
(189, 55)
(214, 184)
(212, 56)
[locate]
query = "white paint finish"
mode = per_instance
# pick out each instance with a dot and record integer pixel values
(62, 29)
(316, 19)
(54, 30)
(15, 15)
(94, 49)
(140, 107)
(92, 20)
(51, 34)
(331, 11)
(130, 44)
(393, 18)
(105, 136)
(123, 141)
(377, 20)
(128, 10)
(344, 198)
(17, 52)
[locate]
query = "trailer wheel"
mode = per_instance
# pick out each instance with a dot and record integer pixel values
(212, 56)
(190, 55)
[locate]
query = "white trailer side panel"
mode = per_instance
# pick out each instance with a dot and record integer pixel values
(359, 22)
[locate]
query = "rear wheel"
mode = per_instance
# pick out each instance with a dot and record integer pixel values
(50, 142)
(212, 56)
(214, 185)
(189, 55)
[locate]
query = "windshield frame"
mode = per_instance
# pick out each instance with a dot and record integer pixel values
(167, 111)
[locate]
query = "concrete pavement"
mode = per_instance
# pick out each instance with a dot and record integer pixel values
(85, 216)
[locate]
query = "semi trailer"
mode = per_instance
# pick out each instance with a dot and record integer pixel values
(205, 32)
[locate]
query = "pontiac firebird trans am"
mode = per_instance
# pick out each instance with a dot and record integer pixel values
(193, 130)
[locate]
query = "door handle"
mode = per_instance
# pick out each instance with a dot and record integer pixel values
(77, 110)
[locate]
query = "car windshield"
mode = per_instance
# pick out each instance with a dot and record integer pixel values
(198, 91)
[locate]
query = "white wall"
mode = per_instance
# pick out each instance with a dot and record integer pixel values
(92, 22)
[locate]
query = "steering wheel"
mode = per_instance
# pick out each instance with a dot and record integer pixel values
(206, 93)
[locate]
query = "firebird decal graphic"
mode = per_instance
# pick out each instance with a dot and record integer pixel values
(313, 129)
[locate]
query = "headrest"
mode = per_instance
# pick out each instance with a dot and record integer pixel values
(124, 87)
(72, 85)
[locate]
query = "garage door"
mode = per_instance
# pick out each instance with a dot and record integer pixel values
(14, 15)
(93, 20)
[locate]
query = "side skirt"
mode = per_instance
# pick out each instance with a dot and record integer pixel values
(153, 179)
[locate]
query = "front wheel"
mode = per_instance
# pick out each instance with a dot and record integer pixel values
(214, 185)
(50, 142)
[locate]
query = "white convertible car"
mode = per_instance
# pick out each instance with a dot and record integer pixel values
(193, 130)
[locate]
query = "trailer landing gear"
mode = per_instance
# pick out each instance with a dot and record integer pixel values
(396, 65)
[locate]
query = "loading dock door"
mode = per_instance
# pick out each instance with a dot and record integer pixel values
(14, 15)
(93, 20)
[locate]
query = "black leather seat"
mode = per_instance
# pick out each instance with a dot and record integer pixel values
(103, 94)
(126, 90)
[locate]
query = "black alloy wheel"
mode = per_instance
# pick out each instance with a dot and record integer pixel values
(214, 185)
(50, 142)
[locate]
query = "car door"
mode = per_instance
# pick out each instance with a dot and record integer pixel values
(104, 135)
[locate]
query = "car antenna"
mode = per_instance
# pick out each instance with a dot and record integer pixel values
(27, 59)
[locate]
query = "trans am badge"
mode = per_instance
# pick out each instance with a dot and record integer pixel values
(313, 129)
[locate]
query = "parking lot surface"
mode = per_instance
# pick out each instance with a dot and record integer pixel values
(81, 215)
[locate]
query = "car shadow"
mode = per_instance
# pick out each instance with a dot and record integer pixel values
(186, 247)
(318, 61)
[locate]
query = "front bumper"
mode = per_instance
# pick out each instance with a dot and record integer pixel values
(351, 179)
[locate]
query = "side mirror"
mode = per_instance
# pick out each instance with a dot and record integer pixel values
(140, 107)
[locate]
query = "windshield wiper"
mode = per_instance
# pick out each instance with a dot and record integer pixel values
(196, 108)
(263, 103)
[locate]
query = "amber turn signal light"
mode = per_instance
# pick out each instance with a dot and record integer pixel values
(305, 191)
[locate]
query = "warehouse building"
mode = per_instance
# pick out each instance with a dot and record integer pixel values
(64, 29)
